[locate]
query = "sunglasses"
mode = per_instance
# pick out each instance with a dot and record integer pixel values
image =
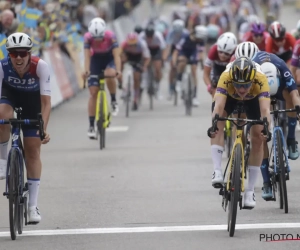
(224, 53)
(243, 85)
(258, 35)
(15, 54)
(279, 39)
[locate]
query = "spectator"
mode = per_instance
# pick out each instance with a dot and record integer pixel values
(7, 18)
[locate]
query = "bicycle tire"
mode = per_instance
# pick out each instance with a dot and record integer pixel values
(13, 193)
(100, 122)
(229, 141)
(283, 199)
(21, 213)
(128, 95)
(151, 87)
(188, 100)
(235, 186)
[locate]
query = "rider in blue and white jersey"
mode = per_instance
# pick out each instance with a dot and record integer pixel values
(25, 83)
(177, 32)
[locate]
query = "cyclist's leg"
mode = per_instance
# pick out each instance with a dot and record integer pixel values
(7, 103)
(112, 86)
(292, 122)
(93, 84)
(137, 86)
(172, 73)
(256, 151)
(194, 66)
(157, 64)
(181, 63)
(217, 143)
(31, 106)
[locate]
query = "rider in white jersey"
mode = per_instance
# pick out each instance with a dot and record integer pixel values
(25, 83)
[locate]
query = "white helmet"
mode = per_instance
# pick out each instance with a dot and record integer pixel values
(19, 40)
(227, 42)
(178, 25)
(270, 70)
(247, 49)
(97, 27)
(252, 19)
(201, 32)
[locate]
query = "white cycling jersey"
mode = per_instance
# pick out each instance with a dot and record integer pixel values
(157, 41)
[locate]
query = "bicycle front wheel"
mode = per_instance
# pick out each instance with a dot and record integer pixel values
(13, 183)
(128, 95)
(188, 100)
(151, 87)
(234, 188)
(283, 199)
(100, 122)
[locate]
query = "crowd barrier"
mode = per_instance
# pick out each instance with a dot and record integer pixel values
(66, 72)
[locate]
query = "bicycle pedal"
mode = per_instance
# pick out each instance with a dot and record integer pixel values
(217, 185)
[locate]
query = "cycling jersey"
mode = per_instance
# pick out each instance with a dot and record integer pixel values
(25, 92)
(156, 42)
(296, 55)
(36, 79)
(285, 52)
(173, 37)
(248, 37)
(287, 79)
(260, 87)
(138, 50)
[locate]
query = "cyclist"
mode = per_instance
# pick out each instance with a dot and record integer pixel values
(157, 46)
(101, 52)
(284, 88)
(174, 36)
(247, 49)
(246, 26)
(138, 29)
(280, 42)
(135, 50)
(189, 50)
(296, 32)
(217, 59)
(257, 35)
(25, 81)
(242, 81)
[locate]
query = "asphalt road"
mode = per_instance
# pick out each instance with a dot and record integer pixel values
(149, 189)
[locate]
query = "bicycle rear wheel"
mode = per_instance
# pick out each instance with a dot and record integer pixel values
(235, 188)
(188, 100)
(128, 95)
(100, 122)
(13, 182)
(283, 199)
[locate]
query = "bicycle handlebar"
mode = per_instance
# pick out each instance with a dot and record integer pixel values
(38, 122)
(99, 76)
(296, 109)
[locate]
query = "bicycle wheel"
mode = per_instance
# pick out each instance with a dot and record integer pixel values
(21, 199)
(128, 95)
(235, 188)
(188, 100)
(13, 181)
(100, 122)
(151, 86)
(283, 199)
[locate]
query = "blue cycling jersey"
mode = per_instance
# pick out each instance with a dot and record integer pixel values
(174, 37)
(287, 79)
(188, 46)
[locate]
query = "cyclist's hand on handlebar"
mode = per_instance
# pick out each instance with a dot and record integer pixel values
(211, 133)
(266, 137)
(46, 138)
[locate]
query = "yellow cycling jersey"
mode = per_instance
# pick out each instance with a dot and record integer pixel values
(260, 87)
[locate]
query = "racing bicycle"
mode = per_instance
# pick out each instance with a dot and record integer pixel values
(279, 167)
(232, 189)
(16, 190)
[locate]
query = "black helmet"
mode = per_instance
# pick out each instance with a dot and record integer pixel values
(242, 70)
(138, 29)
(150, 30)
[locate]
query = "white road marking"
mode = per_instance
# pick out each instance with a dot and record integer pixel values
(117, 129)
(152, 229)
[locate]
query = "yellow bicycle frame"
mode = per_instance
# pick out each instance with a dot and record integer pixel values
(227, 129)
(102, 96)
(238, 140)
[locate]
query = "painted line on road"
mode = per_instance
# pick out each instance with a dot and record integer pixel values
(152, 229)
(117, 129)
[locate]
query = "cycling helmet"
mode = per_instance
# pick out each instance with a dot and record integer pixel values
(138, 29)
(178, 25)
(19, 40)
(277, 30)
(132, 38)
(150, 30)
(213, 31)
(227, 42)
(200, 32)
(258, 28)
(242, 70)
(97, 27)
(246, 49)
(252, 19)
(270, 70)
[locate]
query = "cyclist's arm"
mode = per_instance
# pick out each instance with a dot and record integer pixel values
(1, 77)
(163, 46)
(220, 101)
(175, 56)
(43, 73)
(146, 54)
(87, 53)
(117, 58)
(264, 104)
(269, 44)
